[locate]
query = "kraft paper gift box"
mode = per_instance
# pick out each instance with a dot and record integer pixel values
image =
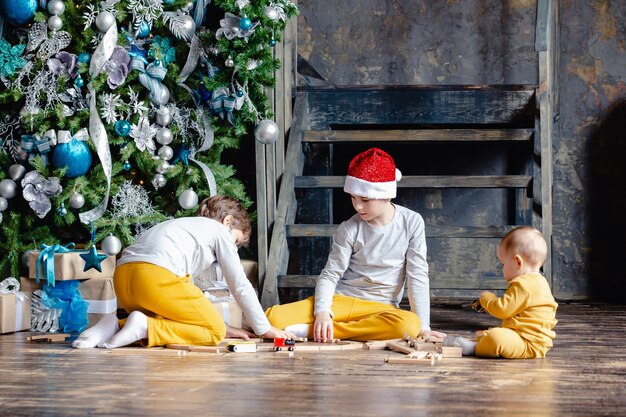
(28, 285)
(100, 295)
(230, 312)
(14, 312)
(69, 265)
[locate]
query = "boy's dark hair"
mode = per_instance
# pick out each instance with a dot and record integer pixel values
(220, 206)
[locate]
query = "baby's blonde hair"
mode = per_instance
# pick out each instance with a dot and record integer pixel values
(528, 242)
(220, 206)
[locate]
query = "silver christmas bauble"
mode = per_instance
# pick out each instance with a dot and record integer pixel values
(111, 245)
(16, 172)
(162, 167)
(166, 153)
(163, 116)
(77, 200)
(8, 188)
(55, 23)
(271, 13)
(4, 204)
(159, 181)
(266, 132)
(104, 20)
(188, 199)
(164, 136)
(229, 62)
(161, 97)
(188, 25)
(56, 7)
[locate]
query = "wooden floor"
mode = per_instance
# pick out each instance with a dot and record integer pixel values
(584, 375)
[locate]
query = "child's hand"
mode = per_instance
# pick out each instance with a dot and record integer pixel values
(274, 333)
(480, 333)
(323, 327)
(433, 335)
(237, 333)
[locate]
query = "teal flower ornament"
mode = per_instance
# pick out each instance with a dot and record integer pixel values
(10, 58)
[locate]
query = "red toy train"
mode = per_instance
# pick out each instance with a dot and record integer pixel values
(280, 343)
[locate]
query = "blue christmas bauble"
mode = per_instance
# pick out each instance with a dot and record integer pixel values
(127, 166)
(79, 82)
(245, 23)
(18, 12)
(144, 29)
(122, 128)
(84, 57)
(75, 155)
(272, 42)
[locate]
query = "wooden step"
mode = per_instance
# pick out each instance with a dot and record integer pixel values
(434, 232)
(427, 181)
(416, 135)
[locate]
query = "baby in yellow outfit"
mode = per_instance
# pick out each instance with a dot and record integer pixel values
(527, 308)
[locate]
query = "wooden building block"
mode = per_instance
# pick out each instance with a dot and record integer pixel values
(48, 338)
(194, 348)
(379, 344)
(450, 351)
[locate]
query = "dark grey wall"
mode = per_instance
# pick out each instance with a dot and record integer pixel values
(372, 42)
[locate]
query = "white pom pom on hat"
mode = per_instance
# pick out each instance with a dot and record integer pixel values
(372, 174)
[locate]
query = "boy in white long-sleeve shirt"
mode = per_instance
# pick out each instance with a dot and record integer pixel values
(374, 254)
(153, 283)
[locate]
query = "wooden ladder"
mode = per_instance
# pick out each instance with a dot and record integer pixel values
(467, 131)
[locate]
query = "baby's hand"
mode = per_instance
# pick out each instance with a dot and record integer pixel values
(480, 333)
(274, 333)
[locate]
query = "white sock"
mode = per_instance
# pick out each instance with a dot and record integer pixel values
(136, 328)
(299, 330)
(467, 346)
(98, 333)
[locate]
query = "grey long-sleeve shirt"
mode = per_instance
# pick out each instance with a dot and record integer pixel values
(189, 245)
(375, 262)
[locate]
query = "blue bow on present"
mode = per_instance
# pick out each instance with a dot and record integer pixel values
(223, 104)
(46, 260)
(35, 145)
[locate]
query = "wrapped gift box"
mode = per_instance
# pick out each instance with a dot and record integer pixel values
(100, 295)
(70, 265)
(14, 312)
(230, 312)
(28, 285)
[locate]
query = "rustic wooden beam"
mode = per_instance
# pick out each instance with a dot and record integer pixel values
(432, 231)
(417, 135)
(428, 181)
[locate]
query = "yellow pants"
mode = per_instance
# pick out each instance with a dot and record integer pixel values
(500, 342)
(177, 310)
(353, 319)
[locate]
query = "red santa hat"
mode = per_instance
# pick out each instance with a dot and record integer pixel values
(372, 174)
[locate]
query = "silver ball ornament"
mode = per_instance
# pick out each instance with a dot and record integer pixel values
(163, 116)
(166, 153)
(188, 199)
(271, 13)
(111, 245)
(77, 201)
(16, 172)
(104, 20)
(161, 97)
(159, 181)
(266, 132)
(229, 62)
(164, 136)
(4, 203)
(55, 23)
(8, 188)
(162, 167)
(56, 7)
(188, 25)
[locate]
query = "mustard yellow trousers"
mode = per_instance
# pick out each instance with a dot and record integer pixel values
(177, 310)
(354, 318)
(501, 342)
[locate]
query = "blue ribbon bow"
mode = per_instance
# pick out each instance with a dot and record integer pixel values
(35, 145)
(223, 105)
(150, 76)
(46, 260)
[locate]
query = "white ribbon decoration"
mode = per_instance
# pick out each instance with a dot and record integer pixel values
(65, 136)
(102, 306)
(209, 137)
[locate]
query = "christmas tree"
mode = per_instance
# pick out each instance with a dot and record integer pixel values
(114, 114)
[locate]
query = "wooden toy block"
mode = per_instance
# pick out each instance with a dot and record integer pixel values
(194, 348)
(379, 344)
(48, 338)
(400, 347)
(450, 351)
(420, 358)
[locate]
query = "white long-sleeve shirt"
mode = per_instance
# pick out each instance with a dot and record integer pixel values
(188, 246)
(375, 262)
